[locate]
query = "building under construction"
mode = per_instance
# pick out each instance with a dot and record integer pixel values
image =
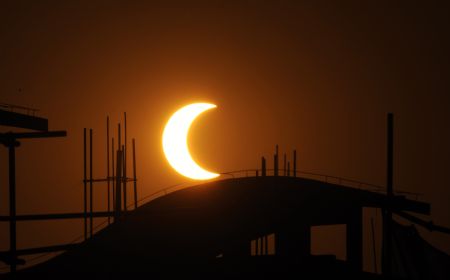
(221, 229)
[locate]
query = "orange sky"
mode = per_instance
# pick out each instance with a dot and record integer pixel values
(318, 78)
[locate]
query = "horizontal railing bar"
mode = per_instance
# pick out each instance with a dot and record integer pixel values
(12, 106)
(25, 135)
(324, 177)
(58, 216)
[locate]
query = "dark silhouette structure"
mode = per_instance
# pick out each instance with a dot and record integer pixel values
(11, 140)
(23, 117)
(207, 231)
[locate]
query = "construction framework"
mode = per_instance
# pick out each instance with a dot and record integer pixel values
(116, 181)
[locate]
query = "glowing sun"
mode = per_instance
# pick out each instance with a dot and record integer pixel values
(175, 144)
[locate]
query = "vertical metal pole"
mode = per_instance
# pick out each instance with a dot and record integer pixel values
(119, 136)
(390, 154)
(12, 204)
(284, 164)
(125, 163)
(112, 169)
(134, 174)
(275, 162)
(263, 166)
(387, 213)
(91, 201)
(119, 145)
(107, 169)
(289, 168)
(118, 185)
(294, 168)
(85, 185)
(124, 180)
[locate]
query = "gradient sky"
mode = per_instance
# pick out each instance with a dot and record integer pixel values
(316, 77)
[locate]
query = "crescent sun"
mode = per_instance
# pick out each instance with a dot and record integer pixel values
(175, 144)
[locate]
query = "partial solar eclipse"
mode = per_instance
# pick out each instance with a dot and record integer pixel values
(175, 144)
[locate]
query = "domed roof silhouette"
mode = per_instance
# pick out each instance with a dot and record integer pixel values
(199, 230)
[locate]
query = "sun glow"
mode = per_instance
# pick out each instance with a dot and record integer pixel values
(175, 144)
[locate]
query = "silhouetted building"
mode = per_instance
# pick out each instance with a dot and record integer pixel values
(207, 230)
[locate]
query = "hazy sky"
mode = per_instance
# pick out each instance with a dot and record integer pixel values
(316, 77)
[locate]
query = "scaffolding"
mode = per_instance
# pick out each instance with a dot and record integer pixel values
(116, 181)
